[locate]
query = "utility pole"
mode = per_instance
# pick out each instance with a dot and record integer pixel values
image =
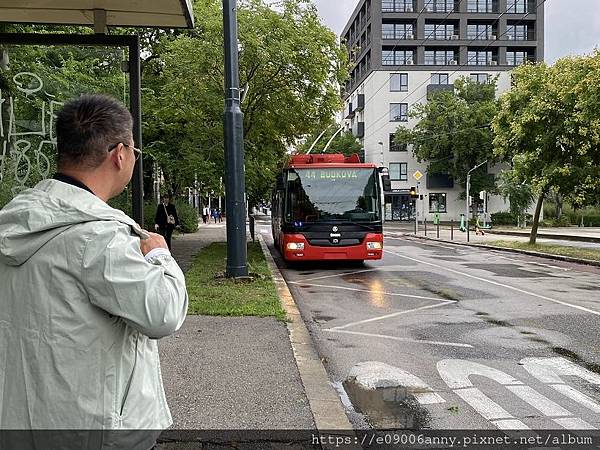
(235, 187)
(469, 195)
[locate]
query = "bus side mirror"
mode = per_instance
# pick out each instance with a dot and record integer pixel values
(280, 183)
(387, 183)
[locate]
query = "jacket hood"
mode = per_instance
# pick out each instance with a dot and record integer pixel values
(38, 215)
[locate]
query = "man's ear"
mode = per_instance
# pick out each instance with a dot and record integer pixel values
(116, 157)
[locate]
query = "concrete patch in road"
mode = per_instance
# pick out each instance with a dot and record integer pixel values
(390, 398)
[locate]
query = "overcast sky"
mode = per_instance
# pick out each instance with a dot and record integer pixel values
(572, 26)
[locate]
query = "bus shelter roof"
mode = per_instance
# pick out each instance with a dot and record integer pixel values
(115, 13)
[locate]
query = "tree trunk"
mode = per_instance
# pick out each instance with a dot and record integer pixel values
(536, 219)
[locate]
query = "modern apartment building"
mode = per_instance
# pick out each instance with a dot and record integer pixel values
(402, 51)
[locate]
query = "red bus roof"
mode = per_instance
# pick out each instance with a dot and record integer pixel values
(327, 160)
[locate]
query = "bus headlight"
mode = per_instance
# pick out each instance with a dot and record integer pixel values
(374, 245)
(295, 246)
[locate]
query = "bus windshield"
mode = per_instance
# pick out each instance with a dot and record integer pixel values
(332, 194)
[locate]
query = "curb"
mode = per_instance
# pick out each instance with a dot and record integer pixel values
(563, 237)
(325, 404)
(587, 262)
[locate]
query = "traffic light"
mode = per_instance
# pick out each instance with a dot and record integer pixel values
(413, 192)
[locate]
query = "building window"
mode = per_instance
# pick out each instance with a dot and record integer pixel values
(439, 31)
(479, 58)
(397, 6)
(439, 57)
(398, 171)
(480, 6)
(479, 31)
(397, 57)
(397, 31)
(399, 82)
(439, 5)
(517, 7)
(516, 32)
(516, 58)
(394, 147)
(440, 78)
(437, 202)
(398, 112)
(481, 78)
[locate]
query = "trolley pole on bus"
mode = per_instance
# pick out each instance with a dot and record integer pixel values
(235, 187)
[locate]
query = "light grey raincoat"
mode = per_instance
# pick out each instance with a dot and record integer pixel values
(80, 309)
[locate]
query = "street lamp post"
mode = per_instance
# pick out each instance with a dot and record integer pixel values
(237, 265)
(469, 194)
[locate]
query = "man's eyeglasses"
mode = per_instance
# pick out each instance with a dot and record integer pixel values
(136, 151)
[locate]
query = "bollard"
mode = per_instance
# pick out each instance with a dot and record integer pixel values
(425, 223)
(452, 230)
(438, 230)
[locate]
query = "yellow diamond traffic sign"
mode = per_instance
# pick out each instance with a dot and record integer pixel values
(417, 175)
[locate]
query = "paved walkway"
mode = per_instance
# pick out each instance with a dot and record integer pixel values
(229, 373)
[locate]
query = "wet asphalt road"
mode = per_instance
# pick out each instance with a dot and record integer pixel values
(504, 341)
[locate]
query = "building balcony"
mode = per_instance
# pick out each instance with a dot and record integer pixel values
(350, 112)
(359, 130)
(360, 102)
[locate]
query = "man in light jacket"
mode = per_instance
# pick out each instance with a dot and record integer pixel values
(85, 293)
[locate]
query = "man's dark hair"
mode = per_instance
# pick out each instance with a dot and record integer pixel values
(87, 127)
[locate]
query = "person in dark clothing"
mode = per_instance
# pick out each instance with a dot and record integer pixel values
(166, 219)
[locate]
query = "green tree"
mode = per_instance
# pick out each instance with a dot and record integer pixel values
(453, 133)
(547, 128)
(517, 193)
(290, 69)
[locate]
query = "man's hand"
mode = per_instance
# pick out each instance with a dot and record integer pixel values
(154, 241)
(155, 227)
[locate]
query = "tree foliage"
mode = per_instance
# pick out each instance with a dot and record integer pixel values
(290, 69)
(453, 134)
(548, 127)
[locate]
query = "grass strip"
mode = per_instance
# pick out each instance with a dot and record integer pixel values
(562, 250)
(213, 295)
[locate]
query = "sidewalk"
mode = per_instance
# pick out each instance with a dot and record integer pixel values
(229, 373)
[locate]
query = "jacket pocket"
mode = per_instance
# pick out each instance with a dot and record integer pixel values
(125, 396)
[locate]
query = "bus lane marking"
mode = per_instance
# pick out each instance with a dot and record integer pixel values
(455, 373)
(549, 372)
(399, 339)
(496, 283)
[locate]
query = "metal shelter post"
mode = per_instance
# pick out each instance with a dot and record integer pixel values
(235, 185)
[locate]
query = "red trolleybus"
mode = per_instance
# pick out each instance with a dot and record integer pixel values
(328, 207)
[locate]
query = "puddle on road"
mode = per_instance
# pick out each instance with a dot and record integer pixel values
(390, 407)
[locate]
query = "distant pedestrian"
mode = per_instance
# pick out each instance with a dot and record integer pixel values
(86, 293)
(165, 219)
(215, 214)
(220, 215)
(205, 214)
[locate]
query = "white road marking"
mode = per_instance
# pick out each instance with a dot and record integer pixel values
(495, 283)
(456, 372)
(375, 374)
(484, 405)
(510, 424)
(549, 370)
(336, 275)
(399, 339)
(539, 402)
(420, 297)
(404, 238)
(388, 316)
(577, 396)
(574, 423)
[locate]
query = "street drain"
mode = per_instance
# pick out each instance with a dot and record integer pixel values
(387, 396)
